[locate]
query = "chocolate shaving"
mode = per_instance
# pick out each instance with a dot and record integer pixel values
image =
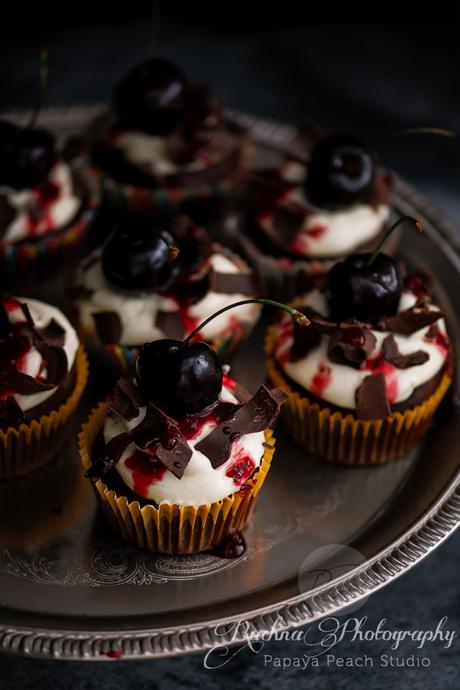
(23, 384)
(409, 321)
(255, 415)
(371, 398)
(108, 326)
(53, 333)
(159, 430)
(113, 451)
(392, 355)
(342, 351)
(171, 324)
(126, 399)
(235, 283)
(10, 412)
(56, 362)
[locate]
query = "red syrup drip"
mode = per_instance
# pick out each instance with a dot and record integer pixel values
(321, 380)
(39, 214)
(228, 382)
(112, 654)
(316, 231)
(379, 365)
(241, 468)
(233, 545)
(11, 305)
(192, 426)
(438, 339)
(145, 472)
(282, 352)
(13, 353)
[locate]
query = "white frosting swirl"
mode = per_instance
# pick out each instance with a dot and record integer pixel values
(325, 233)
(42, 315)
(138, 314)
(36, 215)
(200, 484)
(338, 383)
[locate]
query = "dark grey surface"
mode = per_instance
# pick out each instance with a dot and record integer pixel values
(371, 79)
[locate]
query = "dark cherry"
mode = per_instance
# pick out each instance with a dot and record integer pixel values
(341, 172)
(137, 256)
(232, 546)
(181, 378)
(151, 97)
(364, 292)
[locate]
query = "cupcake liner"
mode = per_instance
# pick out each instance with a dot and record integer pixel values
(49, 258)
(337, 437)
(171, 528)
(33, 444)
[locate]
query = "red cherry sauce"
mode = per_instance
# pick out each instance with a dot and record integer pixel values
(282, 352)
(228, 382)
(14, 349)
(321, 380)
(233, 545)
(379, 365)
(241, 468)
(316, 231)
(439, 339)
(39, 214)
(145, 472)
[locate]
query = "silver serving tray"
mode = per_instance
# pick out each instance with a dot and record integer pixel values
(70, 589)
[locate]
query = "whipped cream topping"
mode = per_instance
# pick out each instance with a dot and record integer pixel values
(31, 362)
(152, 154)
(43, 209)
(338, 383)
(326, 233)
(200, 484)
(138, 314)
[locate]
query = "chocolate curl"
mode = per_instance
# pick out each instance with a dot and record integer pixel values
(113, 451)
(171, 324)
(305, 340)
(126, 399)
(10, 412)
(159, 430)
(410, 321)
(255, 415)
(108, 327)
(23, 384)
(344, 350)
(392, 355)
(235, 283)
(56, 362)
(53, 333)
(371, 398)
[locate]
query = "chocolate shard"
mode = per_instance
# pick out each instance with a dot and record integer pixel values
(126, 399)
(113, 451)
(161, 433)
(371, 398)
(28, 317)
(171, 324)
(235, 283)
(346, 347)
(304, 341)
(10, 412)
(53, 333)
(23, 384)
(108, 326)
(255, 415)
(56, 362)
(392, 355)
(287, 223)
(411, 320)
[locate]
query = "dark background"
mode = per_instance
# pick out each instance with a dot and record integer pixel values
(369, 74)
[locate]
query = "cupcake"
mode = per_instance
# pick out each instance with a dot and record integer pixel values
(43, 371)
(166, 144)
(308, 214)
(180, 451)
(45, 209)
(365, 379)
(148, 283)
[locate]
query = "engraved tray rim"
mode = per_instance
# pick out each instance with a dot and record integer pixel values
(419, 540)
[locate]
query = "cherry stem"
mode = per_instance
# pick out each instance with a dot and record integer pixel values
(297, 315)
(418, 224)
(154, 29)
(43, 79)
(437, 131)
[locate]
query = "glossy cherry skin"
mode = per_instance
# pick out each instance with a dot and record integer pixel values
(151, 97)
(137, 256)
(180, 379)
(341, 172)
(362, 292)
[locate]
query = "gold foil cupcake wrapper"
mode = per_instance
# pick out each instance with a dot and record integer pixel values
(171, 528)
(31, 445)
(341, 438)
